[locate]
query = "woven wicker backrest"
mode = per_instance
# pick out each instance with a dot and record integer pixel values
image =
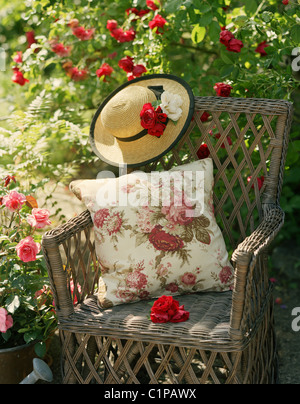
(247, 139)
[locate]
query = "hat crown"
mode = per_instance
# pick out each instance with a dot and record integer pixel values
(121, 115)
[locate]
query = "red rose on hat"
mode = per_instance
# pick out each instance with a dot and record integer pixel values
(148, 116)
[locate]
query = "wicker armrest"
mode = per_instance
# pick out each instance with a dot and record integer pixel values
(262, 236)
(51, 243)
(245, 257)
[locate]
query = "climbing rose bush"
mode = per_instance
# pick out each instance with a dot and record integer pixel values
(79, 55)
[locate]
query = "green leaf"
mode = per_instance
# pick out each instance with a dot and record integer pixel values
(214, 31)
(12, 303)
(30, 336)
(267, 16)
(198, 34)
(172, 6)
(226, 57)
(295, 33)
(250, 7)
(40, 349)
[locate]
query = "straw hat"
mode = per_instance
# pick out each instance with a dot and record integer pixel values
(117, 135)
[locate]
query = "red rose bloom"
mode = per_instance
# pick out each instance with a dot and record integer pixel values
(153, 5)
(180, 316)
(18, 78)
(157, 130)
(138, 70)
(159, 22)
(235, 45)
(30, 38)
(260, 181)
(225, 37)
(203, 152)
(148, 116)
(163, 241)
(229, 141)
(111, 25)
(123, 36)
(126, 64)
(261, 48)
(205, 116)
(137, 12)
(61, 50)
(285, 2)
(166, 309)
(83, 34)
(76, 74)
(153, 120)
(222, 89)
(105, 70)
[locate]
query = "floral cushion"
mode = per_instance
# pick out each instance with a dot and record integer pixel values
(152, 242)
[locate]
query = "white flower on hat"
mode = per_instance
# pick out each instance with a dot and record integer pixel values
(170, 104)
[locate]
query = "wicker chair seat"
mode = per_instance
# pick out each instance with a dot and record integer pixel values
(207, 327)
(229, 337)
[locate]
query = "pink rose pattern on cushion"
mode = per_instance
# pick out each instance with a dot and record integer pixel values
(148, 251)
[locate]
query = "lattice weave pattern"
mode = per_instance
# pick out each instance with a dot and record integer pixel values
(230, 337)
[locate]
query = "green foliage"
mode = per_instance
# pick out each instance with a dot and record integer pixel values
(55, 127)
(24, 287)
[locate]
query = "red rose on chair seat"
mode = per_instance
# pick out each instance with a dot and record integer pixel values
(163, 241)
(166, 309)
(180, 316)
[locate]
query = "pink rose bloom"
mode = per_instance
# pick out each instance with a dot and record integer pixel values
(14, 201)
(39, 218)
(6, 320)
(27, 249)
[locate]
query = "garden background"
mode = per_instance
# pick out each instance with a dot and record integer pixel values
(60, 59)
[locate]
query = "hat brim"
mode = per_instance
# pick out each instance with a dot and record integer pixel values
(148, 148)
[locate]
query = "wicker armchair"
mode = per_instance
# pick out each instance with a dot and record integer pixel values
(230, 336)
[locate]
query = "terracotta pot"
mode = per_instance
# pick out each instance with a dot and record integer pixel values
(16, 363)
